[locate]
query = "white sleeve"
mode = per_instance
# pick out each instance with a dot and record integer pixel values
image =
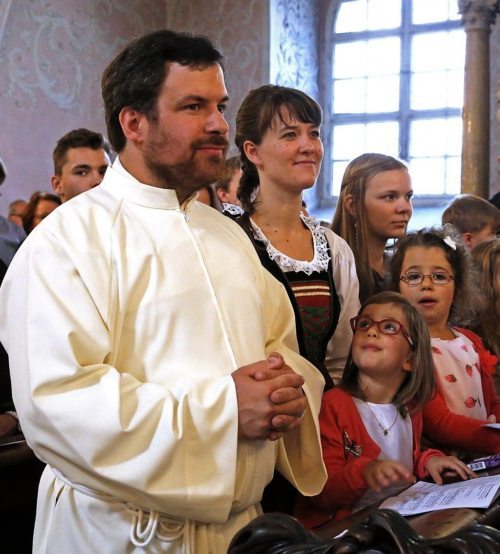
(347, 286)
(163, 448)
(300, 457)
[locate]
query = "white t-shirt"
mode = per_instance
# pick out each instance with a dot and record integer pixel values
(394, 435)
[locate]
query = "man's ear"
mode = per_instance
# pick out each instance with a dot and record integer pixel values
(251, 151)
(56, 184)
(349, 204)
(132, 123)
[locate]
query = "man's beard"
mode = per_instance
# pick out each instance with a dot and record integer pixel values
(188, 176)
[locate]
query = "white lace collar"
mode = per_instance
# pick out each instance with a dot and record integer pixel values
(321, 256)
(232, 209)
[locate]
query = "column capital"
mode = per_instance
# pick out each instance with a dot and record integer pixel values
(478, 14)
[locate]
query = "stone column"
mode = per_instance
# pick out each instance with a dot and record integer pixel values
(477, 18)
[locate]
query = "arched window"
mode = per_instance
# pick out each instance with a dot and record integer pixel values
(396, 87)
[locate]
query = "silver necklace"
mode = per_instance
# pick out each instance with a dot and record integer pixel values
(385, 430)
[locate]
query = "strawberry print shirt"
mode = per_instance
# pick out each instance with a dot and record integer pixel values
(458, 377)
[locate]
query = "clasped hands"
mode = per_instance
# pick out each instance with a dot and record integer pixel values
(271, 401)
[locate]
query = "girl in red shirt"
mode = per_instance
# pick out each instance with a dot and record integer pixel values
(371, 424)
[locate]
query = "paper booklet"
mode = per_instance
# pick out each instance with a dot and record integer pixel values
(427, 497)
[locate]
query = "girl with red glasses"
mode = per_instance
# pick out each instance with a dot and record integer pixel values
(372, 423)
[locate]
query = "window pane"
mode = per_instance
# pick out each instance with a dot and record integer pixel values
(438, 51)
(349, 96)
(428, 90)
(428, 175)
(436, 137)
(382, 56)
(337, 174)
(349, 141)
(367, 81)
(384, 14)
(436, 175)
(437, 90)
(430, 11)
(378, 94)
(362, 15)
(382, 137)
(350, 60)
(363, 58)
(453, 175)
(351, 17)
(382, 94)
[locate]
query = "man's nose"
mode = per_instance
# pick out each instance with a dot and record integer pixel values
(216, 123)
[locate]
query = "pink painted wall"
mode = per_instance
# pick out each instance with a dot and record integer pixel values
(52, 54)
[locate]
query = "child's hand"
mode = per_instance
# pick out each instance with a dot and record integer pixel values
(492, 419)
(436, 464)
(383, 473)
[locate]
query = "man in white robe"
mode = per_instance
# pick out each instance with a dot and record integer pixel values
(151, 354)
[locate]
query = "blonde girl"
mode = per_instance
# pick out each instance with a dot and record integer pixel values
(374, 206)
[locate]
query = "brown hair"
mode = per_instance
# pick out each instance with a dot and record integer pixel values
(256, 115)
(418, 385)
(231, 165)
(29, 214)
(467, 299)
(471, 214)
(134, 78)
(486, 259)
(353, 227)
(77, 138)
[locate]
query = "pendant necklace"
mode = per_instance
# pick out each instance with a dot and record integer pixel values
(385, 430)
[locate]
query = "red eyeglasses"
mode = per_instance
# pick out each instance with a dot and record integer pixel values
(385, 326)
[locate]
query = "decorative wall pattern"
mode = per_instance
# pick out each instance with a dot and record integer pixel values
(294, 44)
(241, 30)
(52, 54)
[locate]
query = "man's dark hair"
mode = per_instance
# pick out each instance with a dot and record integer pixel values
(78, 138)
(134, 78)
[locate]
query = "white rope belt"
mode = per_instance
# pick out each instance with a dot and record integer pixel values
(146, 524)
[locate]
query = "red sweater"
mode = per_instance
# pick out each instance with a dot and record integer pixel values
(453, 431)
(347, 450)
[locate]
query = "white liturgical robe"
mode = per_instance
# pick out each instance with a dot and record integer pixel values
(124, 315)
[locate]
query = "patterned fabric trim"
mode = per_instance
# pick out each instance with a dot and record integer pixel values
(232, 209)
(321, 255)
